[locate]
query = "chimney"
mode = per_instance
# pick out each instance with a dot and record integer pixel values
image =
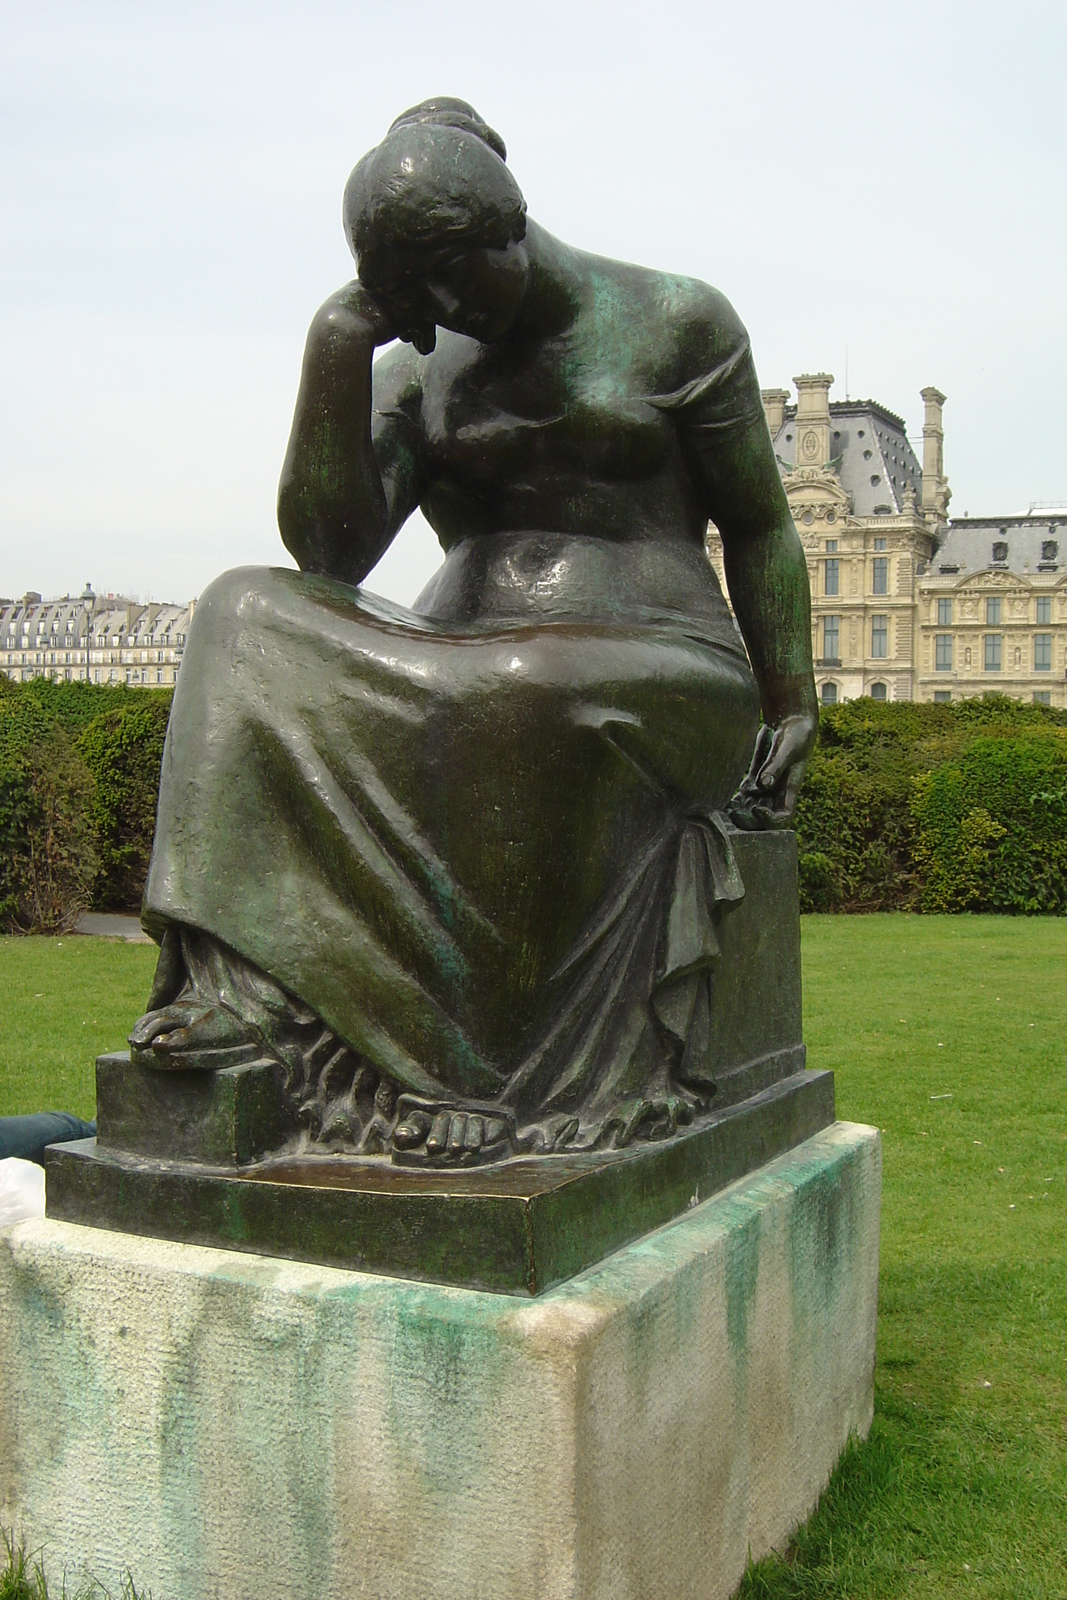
(935, 484)
(813, 419)
(774, 404)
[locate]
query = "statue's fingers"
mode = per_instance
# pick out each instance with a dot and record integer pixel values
(760, 751)
(792, 788)
(788, 752)
(776, 765)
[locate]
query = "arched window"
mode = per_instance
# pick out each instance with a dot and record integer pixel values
(879, 691)
(829, 694)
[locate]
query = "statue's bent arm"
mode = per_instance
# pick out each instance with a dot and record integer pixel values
(351, 474)
(765, 569)
(729, 452)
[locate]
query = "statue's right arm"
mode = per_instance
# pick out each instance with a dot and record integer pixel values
(350, 477)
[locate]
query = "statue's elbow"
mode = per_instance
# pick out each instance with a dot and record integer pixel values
(294, 526)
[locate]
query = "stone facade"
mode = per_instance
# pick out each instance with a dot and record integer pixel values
(993, 610)
(884, 561)
(93, 638)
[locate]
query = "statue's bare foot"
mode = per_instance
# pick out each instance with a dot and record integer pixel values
(192, 1033)
(656, 1118)
(429, 1132)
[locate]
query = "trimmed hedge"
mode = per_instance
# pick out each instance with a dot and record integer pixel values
(957, 807)
(79, 775)
(122, 749)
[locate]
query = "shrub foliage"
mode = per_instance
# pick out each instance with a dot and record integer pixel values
(79, 774)
(935, 808)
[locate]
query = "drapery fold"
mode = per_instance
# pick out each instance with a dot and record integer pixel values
(489, 861)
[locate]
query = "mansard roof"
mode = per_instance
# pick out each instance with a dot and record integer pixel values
(113, 614)
(1026, 544)
(870, 453)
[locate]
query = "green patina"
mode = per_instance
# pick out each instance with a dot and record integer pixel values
(431, 1371)
(741, 1272)
(825, 1232)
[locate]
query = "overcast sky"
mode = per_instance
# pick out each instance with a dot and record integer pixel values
(883, 180)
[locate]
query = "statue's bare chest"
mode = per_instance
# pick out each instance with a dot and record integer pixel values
(486, 420)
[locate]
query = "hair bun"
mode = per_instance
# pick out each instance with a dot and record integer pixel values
(444, 112)
(438, 174)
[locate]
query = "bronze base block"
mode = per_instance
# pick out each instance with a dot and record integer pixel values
(517, 1228)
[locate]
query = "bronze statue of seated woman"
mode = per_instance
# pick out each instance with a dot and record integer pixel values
(457, 870)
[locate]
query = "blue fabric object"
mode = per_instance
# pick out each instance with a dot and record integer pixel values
(26, 1137)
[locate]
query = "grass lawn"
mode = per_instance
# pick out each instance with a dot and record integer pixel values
(950, 1033)
(63, 1002)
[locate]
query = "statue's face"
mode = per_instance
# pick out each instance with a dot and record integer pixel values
(471, 289)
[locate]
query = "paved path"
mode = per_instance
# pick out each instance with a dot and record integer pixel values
(111, 925)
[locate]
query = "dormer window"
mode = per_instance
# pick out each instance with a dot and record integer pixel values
(1000, 550)
(1049, 549)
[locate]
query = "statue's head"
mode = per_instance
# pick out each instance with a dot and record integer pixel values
(436, 222)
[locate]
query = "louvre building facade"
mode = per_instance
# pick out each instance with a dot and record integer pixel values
(906, 602)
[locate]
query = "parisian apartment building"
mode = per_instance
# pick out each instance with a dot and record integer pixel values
(908, 603)
(93, 638)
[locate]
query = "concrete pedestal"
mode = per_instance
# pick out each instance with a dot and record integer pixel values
(235, 1426)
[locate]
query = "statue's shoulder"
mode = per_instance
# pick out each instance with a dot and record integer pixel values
(705, 328)
(697, 330)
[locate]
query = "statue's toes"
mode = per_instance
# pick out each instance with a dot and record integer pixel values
(449, 1136)
(205, 1028)
(474, 1136)
(411, 1132)
(154, 1024)
(192, 1035)
(629, 1120)
(437, 1140)
(457, 1134)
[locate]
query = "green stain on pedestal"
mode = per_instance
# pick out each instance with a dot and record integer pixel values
(741, 1272)
(824, 1236)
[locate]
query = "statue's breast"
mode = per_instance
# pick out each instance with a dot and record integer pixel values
(484, 424)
